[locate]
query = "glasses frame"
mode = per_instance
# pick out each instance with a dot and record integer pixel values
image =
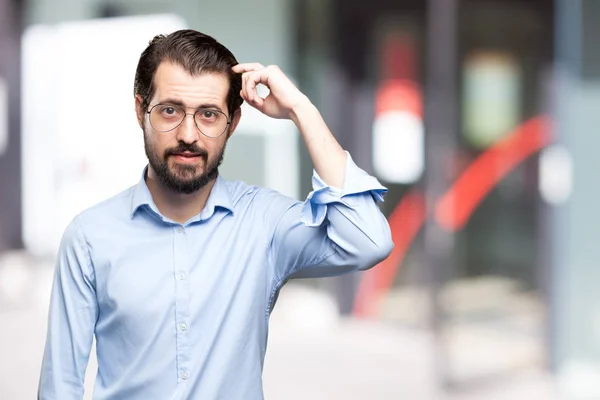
(185, 115)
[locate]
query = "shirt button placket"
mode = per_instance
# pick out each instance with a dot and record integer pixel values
(182, 312)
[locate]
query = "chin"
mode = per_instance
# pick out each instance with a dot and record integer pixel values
(186, 170)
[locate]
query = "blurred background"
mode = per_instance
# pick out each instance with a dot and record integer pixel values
(480, 116)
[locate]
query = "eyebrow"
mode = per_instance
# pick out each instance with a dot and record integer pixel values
(180, 103)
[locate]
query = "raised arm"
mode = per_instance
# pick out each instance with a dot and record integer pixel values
(339, 228)
(72, 317)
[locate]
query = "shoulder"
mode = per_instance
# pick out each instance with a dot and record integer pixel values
(105, 214)
(245, 195)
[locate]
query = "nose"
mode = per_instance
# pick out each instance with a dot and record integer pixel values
(187, 131)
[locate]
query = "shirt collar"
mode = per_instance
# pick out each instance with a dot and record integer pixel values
(219, 197)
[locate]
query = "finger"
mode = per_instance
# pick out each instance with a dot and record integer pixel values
(247, 67)
(257, 102)
(246, 94)
(254, 78)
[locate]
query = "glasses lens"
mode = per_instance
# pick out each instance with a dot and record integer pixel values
(164, 117)
(212, 123)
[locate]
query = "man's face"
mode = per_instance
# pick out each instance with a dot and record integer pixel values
(184, 160)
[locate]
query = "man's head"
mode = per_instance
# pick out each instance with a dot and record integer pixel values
(188, 105)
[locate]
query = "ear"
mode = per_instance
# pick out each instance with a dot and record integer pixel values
(237, 115)
(139, 110)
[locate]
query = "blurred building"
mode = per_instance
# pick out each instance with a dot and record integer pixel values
(480, 116)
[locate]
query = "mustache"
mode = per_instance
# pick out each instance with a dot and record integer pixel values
(186, 148)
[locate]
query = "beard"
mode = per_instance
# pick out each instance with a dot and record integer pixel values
(183, 179)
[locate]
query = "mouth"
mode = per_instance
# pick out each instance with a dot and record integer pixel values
(187, 157)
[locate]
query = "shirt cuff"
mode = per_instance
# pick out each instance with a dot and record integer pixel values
(356, 181)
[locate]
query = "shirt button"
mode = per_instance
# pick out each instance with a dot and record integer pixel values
(182, 327)
(182, 276)
(184, 375)
(180, 229)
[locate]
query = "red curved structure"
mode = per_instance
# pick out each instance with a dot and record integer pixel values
(405, 222)
(453, 210)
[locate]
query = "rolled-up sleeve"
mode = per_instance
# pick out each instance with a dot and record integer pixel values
(357, 182)
(333, 232)
(72, 317)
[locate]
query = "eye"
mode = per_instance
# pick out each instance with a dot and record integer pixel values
(208, 114)
(168, 110)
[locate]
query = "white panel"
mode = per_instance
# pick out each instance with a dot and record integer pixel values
(579, 380)
(81, 141)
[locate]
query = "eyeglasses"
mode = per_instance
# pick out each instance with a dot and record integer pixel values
(167, 117)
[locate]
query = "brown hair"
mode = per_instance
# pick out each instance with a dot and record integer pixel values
(197, 53)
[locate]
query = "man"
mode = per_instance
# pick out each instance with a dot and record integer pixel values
(176, 277)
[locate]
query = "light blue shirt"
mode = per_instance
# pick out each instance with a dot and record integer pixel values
(181, 311)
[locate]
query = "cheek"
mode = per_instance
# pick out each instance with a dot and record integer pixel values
(157, 141)
(215, 149)
(154, 145)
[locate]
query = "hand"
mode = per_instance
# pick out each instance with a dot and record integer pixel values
(284, 97)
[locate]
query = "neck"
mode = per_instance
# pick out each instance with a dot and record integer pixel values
(179, 207)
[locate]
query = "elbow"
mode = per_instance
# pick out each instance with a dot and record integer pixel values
(375, 253)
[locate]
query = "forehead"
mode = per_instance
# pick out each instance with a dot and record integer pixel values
(173, 82)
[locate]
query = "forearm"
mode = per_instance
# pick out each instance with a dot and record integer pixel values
(328, 157)
(68, 344)
(72, 316)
